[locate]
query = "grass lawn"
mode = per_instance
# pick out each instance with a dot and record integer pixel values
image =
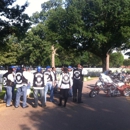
(2, 94)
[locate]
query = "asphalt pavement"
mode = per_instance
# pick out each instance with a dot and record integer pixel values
(99, 113)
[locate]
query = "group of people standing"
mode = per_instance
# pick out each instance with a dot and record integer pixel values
(69, 84)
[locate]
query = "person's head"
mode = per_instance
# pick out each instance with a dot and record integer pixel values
(10, 70)
(28, 69)
(65, 70)
(18, 69)
(13, 67)
(48, 68)
(69, 68)
(109, 72)
(39, 69)
(79, 66)
(23, 68)
(53, 69)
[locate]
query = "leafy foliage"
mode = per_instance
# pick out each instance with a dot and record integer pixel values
(126, 62)
(12, 20)
(116, 59)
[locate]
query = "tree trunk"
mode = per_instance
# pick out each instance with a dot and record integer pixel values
(53, 56)
(105, 62)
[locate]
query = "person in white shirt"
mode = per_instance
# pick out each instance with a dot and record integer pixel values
(65, 83)
(49, 82)
(8, 83)
(70, 70)
(30, 80)
(21, 85)
(38, 87)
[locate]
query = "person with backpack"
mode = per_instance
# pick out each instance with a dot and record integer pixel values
(65, 83)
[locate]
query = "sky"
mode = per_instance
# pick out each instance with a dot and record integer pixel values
(34, 5)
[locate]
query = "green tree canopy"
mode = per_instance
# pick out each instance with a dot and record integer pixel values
(98, 26)
(12, 20)
(116, 59)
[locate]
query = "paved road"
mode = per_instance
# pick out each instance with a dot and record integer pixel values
(100, 113)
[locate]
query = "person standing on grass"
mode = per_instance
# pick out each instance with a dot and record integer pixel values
(78, 74)
(8, 83)
(65, 83)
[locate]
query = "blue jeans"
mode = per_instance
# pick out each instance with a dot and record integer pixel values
(21, 91)
(49, 86)
(13, 94)
(35, 93)
(8, 95)
(70, 92)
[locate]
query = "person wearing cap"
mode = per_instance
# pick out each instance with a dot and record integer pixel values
(49, 82)
(38, 87)
(65, 83)
(8, 83)
(13, 87)
(21, 85)
(70, 71)
(78, 74)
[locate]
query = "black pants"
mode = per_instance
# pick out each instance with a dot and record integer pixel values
(77, 90)
(63, 95)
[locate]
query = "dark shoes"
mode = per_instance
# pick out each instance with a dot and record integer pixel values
(43, 105)
(80, 101)
(59, 104)
(35, 106)
(74, 100)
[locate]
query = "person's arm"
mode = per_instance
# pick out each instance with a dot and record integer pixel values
(71, 82)
(59, 83)
(10, 77)
(53, 77)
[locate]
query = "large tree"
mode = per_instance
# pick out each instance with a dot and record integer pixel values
(98, 26)
(12, 20)
(116, 59)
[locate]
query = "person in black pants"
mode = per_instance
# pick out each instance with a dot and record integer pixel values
(65, 84)
(78, 74)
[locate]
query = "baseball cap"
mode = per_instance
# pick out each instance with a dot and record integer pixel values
(69, 67)
(48, 67)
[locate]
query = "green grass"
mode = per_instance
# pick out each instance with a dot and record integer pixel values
(2, 93)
